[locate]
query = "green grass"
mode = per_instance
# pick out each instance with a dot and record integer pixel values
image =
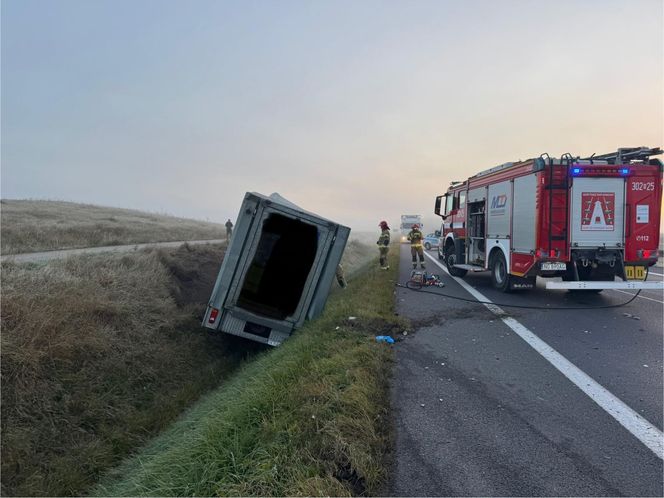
(308, 418)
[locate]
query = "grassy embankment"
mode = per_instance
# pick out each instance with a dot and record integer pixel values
(29, 226)
(308, 418)
(102, 352)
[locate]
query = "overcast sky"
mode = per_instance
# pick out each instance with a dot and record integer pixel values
(358, 110)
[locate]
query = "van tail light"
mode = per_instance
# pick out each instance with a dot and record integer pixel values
(552, 253)
(538, 254)
(213, 315)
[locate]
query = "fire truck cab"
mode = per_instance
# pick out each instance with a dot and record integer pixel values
(586, 220)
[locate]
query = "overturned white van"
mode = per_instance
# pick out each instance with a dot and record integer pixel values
(277, 271)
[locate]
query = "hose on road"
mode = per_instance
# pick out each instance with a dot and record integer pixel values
(521, 306)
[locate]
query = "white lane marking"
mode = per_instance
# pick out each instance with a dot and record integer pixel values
(642, 297)
(640, 428)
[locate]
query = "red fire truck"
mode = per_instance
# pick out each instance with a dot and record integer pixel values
(585, 220)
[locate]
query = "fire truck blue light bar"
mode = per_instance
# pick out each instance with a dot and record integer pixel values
(600, 171)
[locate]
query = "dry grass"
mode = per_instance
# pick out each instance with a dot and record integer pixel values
(102, 352)
(99, 353)
(29, 226)
(356, 256)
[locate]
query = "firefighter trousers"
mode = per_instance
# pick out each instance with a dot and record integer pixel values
(415, 251)
(383, 255)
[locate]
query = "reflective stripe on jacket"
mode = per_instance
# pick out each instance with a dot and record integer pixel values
(415, 237)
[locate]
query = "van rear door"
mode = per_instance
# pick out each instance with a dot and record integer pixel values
(275, 279)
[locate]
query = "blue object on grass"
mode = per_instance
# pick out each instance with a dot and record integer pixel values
(384, 338)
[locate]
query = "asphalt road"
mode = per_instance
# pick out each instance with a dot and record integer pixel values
(479, 411)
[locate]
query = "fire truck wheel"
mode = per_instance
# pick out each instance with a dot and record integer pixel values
(450, 260)
(500, 277)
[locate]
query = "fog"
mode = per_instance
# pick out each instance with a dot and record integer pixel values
(358, 111)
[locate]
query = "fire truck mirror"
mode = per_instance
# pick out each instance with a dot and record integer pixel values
(439, 201)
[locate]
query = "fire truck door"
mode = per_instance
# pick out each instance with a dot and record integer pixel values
(597, 212)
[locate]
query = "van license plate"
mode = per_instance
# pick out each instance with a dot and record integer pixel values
(554, 266)
(635, 272)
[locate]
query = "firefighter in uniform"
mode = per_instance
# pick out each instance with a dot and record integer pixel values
(384, 244)
(229, 228)
(415, 237)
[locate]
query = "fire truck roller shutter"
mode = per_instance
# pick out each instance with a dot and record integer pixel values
(499, 210)
(524, 219)
(597, 212)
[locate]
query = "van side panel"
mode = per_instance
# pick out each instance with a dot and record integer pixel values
(234, 252)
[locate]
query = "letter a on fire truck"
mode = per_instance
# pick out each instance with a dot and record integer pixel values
(598, 209)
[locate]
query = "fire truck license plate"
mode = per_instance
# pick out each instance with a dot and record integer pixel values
(635, 272)
(554, 266)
